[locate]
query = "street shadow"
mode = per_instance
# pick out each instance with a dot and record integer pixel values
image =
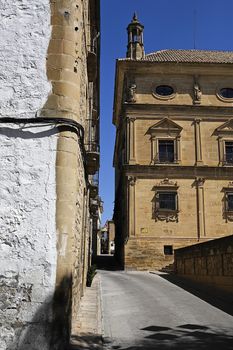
(218, 298)
(86, 341)
(182, 337)
(108, 263)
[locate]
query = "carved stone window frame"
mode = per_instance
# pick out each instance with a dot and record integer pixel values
(161, 97)
(225, 134)
(228, 213)
(160, 214)
(222, 98)
(165, 129)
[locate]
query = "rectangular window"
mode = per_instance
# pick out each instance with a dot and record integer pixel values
(166, 150)
(167, 200)
(229, 152)
(168, 250)
(229, 201)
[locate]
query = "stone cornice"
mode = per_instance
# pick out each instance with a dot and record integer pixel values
(177, 172)
(178, 111)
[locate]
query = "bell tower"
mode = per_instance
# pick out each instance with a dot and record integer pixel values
(135, 48)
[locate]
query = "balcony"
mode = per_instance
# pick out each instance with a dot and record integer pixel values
(96, 207)
(94, 187)
(92, 158)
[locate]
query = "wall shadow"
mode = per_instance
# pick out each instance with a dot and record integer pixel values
(219, 299)
(49, 329)
(182, 337)
(86, 341)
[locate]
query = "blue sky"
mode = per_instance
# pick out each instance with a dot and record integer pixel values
(168, 24)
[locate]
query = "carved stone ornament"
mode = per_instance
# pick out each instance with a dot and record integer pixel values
(200, 181)
(197, 92)
(168, 216)
(131, 93)
(167, 183)
(132, 180)
(229, 216)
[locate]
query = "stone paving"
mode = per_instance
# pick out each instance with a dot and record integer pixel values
(87, 330)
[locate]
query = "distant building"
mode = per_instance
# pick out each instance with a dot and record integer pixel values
(173, 152)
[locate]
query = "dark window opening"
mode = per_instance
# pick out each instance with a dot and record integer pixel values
(226, 92)
(164, 90)
(168, 250)
(167, 201)
(166, 151)
(229, 151)
(230, 201)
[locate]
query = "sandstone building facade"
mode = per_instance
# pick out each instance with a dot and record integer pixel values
(49, 136)
(173, 152)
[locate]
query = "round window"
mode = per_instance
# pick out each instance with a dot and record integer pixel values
(164, 90)
(226, 92)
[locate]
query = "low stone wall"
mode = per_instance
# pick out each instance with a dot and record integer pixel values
(210, 263)
(147, 253)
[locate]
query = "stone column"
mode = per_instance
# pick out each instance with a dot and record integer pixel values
(131, 140)
(131, 206)
(200, 208)
(198, 149)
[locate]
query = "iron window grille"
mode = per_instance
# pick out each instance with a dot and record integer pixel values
(167, 201)
(229, 201)
(228, 156)
(166, 152)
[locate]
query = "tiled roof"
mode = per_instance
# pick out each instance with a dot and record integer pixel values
(190, 56)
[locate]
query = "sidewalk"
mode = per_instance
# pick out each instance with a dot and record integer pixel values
(87, 331)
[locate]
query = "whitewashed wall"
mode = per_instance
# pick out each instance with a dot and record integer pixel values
(27, 179)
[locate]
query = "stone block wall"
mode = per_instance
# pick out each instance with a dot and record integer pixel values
(210, 263)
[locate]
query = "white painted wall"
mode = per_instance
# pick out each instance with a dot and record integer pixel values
(25, 33)
(27, 179)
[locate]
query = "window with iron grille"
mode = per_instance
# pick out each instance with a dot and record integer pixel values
(167, 201)
(229, 201)
(166, 150)
(229, 152)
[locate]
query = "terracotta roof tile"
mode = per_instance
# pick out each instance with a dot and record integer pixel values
(190, 56)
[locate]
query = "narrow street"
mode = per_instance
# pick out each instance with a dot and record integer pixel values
(146, 311)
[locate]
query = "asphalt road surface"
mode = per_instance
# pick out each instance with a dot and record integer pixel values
(147, 311)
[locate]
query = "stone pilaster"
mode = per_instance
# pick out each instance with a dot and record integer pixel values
(131, 141)
(131, 205)
(198, 148)
(200, 208)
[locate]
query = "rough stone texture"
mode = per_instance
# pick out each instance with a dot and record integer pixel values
(210, 263)
(28, 235)
(25, 34)
(28, 187)
(45, 218)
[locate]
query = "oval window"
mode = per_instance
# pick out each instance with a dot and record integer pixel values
(226, 92)
(164, 90)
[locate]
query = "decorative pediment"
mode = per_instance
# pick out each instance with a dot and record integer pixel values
(225, 128)
(166, 126)
(166, 184)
